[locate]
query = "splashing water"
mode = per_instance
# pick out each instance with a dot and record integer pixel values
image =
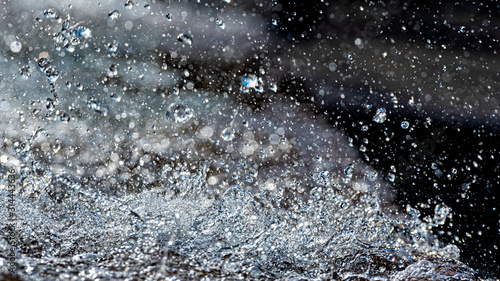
(109, 188)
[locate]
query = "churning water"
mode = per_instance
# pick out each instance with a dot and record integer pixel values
(145, 144)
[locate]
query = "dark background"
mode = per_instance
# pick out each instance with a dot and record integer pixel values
(467, 156)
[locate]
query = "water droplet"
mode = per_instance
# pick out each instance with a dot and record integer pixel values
(69, 47)
(50, 104)
(226, 1)
(112, 71)
(112, 47)
(64, 118)
(273, 87)
(249, 81)
(348, 171)
(274, 22)
(228, 134)
(364, 128)
(391, 177)
(25, 72)
(221, 24)
(185, 38)
(380, 115)
(114, 15)
(49, 14)
(179, 113)
(129, 5)
(405, 125)
(16, 46)
(175, 91)
(168, 17)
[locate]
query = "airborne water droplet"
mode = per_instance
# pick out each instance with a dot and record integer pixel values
(227, 134)
(185, 38)
(380, 116)
(50, 104)
(49, 13)
(168, 17)
(221, 24)
(179, 113)
(64, 118)
(25, 72)
(114, 15)
(249, 81)
(112, 71)
(405, 125)
(129, 5)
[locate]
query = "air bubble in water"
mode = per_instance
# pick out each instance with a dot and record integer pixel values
(179, 113)
(49, 14)
(185, 38)
(405, 125)
(114, 15)
(227, 134)
(380, 116)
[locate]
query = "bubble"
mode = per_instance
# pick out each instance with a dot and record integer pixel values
(179, 113)
(274, 22)
(168, 17)
(16, 46)
(405, 125)
(380, 115)
(49, 14)
(114, 15)
(226, 1)
(185, 38)
(175, 91)
(228, 134)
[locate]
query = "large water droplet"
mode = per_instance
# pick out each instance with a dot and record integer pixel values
(380, 116)
(405, 125)
(249, 81)
(179, 113)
